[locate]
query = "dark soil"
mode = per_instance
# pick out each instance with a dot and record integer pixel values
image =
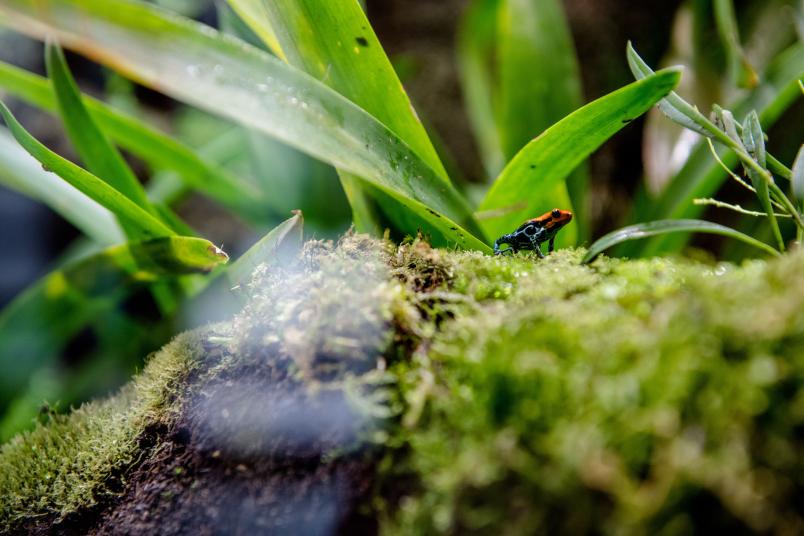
(254, 451)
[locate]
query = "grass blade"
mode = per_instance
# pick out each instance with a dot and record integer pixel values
(308, 33)
(99, 156)
(477, 40)
(358, 69)
(159, 150)
(21, 172)
(797, 179)
(41, 320)
(644, 230)
(548, 160)
(142, 224)
(255, 15)
(539, 82)
(283, 240)
(196, 64)
(673, 106)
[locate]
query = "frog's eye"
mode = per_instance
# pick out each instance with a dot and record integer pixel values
(556, 213)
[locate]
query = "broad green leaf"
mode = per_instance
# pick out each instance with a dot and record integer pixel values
(99, 156)
(549, 159)
(798, 175)
(21, 172)
(539, 85)
(140, 222)
(333, 41)
(644, 230)
(225, 76)
(257, 16)
(701, 176)
(40, 321)
(282, 240)
(154, 147)
(539, 82)
(477, 41)
(303, 183)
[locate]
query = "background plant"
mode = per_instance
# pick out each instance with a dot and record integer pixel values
(314, 78)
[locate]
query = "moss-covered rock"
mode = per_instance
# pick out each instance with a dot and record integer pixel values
(370, 388)
(73, 462)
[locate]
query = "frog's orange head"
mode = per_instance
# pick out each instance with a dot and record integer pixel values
(554, 220)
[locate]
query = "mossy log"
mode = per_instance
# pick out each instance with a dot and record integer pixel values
(370, 388)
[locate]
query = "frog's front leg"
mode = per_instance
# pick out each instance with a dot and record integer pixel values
(535, 243)
(552, 244)
(510, 250)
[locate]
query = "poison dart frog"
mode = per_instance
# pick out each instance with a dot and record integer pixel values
(534, 232)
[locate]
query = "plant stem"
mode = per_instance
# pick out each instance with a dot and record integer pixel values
(737, 208)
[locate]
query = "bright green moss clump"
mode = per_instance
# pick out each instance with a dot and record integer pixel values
(66, 465)
(654, 396)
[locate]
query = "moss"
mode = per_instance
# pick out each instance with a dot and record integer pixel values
(68, 464)
(630, 396)
(509, 394)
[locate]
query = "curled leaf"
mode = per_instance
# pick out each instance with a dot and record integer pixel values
(644, 230)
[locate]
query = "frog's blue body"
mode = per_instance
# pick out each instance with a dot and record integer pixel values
(533, 233)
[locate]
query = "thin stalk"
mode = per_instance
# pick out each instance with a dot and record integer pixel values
(767, 177)
(736, 177)
(779, 168)
(736, 208)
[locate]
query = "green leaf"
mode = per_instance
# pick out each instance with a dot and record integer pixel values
(156, 148)
(549, 159)
(539, 85)
(539, 82)
(282, 241)
(142, 224)
(21, 172)
(225, 76)
(41, 320)
(798, 175)
(673, 106)
(333, 41)
(477, 40)
(255, 15)
(644, 230)
(304, 183)
(99, 156)
(701, 176)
